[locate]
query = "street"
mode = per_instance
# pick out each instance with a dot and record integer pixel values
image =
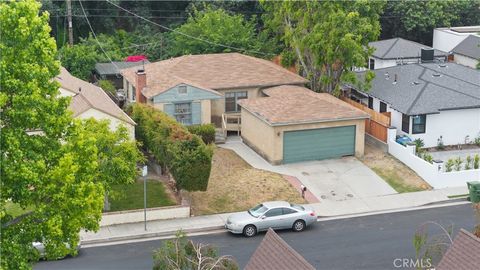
(369, 242)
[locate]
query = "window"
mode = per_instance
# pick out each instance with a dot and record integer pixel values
(405, 123)
(274, 212)
(383, 107)
(371, 64)
(287, 211)
(257, 210)
(370, 103)
(182, 89)
(134, 93)
(231, 100)
(183, 113)
(419, 123)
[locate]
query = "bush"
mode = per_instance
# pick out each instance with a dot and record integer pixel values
(476, 161)
(440, 145)
(468, 163)
(449, 165)
(107, 86)
(418, 144)
(428, 158)
(457, 163)
(205, 131)
(185, 155)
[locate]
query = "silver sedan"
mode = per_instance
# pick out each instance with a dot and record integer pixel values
(275, 215)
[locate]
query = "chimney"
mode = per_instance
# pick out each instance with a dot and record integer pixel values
(141, 82)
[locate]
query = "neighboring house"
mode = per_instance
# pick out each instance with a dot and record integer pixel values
(206, 88)
(467, 52)
(89, 101)
(112, 71)
(292, 124)
(398, 51)
(463, 254)
(427, 101)
(274, 253)
(445, 39)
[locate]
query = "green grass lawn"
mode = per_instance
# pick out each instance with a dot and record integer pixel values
(395, 181)
(128, 197)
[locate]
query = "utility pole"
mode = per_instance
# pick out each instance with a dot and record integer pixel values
(69, 19)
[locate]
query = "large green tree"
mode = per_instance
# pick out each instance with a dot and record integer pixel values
(326, 38)
(57, 170)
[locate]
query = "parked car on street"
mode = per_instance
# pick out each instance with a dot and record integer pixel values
(40, 247)
(275, 215)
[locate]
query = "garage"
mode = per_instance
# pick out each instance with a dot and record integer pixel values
(317, 144)
(294, 124)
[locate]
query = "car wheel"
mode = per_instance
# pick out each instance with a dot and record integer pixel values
(249, 230)
(298, 226)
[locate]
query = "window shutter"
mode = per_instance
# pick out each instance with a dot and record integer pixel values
(196, 113)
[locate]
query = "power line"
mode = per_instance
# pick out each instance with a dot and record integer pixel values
(186, 35)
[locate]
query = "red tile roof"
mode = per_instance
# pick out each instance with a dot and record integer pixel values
(213, 72)
(290, 104)
(274, 253)
(463, 254)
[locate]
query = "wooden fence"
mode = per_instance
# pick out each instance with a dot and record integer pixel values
(378, 124)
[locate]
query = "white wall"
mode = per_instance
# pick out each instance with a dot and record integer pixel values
(466, 61)
(114, 122)
(445, 40)
(453, 126)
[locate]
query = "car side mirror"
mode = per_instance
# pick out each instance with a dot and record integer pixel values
(263, 217)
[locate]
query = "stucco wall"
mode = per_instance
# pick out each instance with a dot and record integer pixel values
(445, 40)
(114, 122)
(466, 61)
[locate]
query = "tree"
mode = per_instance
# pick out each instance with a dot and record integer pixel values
(181, 253)
(326, 38)
(415, 20)
(429, 248)
(218, 27)
(54, 168)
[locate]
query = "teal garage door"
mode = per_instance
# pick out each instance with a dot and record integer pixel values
(316, 144)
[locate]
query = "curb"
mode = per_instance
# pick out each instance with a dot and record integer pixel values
(148, 235)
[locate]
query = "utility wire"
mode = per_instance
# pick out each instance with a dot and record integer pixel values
(186, 35)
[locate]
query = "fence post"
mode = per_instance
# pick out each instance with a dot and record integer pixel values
(391, 134)
(438, 164)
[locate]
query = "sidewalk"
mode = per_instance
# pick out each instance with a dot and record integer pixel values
(326, 208)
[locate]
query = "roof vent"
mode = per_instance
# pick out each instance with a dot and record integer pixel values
(436, 75)
(415, 82)
(443, 65)
(387, 76)
(426, 55)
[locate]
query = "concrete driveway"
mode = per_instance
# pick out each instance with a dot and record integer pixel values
(335, 179)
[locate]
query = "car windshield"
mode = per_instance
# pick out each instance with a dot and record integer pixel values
(298, 207)
(257, 210)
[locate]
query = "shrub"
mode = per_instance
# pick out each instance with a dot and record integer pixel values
(468, 163)
(418, 144)
(184, 154)
(205, 131)
(428, 158)
(449, 165)
(107, 86)
(457, 163)
(440, 145)
(477, 141)
(476, 161)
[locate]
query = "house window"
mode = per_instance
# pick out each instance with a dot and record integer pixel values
(383, 107)
(182, 89)
(183, 113)
(370, 103)
(231, 100)
(419, 124)
(405, 123)
(134, 93)
(371, 64)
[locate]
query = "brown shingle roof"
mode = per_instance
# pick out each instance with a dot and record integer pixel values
(213, 71)
(463, 254)
(90, 96)
(274, 253)
(290, 104)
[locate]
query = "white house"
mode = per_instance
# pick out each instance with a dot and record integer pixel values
(467, 52)
(428, 101)
(89, 101)
(445, 39)
(397, 51)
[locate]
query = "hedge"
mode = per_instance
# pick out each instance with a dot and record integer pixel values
(184, 154)
(205, 131)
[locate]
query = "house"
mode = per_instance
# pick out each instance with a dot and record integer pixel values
(463, 254)
(274, 253)
(205, 88)
(447, 38)
(467, 52)
(89, 101)
(292, 124)
(112, 71)
(398, 51)
(428, 101)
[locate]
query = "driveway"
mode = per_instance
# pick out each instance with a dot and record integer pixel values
(334, 179)
(446, 155)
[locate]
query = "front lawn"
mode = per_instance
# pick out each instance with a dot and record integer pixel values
(129, 197)
(234, 185)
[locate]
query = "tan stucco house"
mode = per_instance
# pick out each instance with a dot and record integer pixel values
(90, 101)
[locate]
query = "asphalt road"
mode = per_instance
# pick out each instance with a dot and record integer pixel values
(369, 242)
